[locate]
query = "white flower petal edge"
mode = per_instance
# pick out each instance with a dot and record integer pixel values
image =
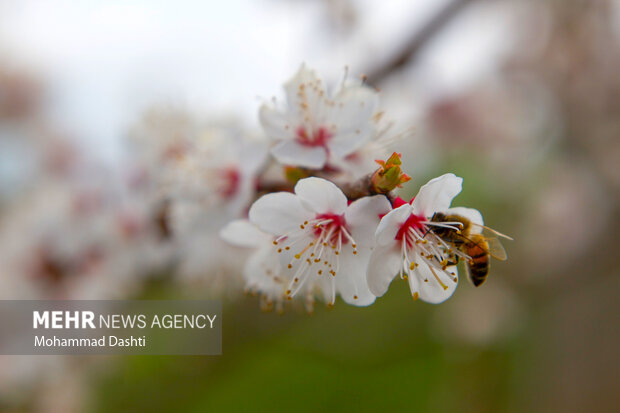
(434, 287)
(437, 195)
(278, 213)
(352, 104)
(274, 122)
(353, 288)
(390, 224)
(243, 233)
(364, 216)
(385, 263)
(321, 196)
(304, 77)
(293, 153)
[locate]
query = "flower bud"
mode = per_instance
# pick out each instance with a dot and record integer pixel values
(389, 175)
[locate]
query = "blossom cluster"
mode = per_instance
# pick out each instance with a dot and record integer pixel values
(305, 209)
(336, 227)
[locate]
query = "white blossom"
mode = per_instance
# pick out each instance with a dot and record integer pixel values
(406, 244)
(314, 127)
(319, 237)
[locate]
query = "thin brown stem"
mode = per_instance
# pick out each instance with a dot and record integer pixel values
(418, 41)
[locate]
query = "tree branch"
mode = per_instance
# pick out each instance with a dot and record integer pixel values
(416, 43)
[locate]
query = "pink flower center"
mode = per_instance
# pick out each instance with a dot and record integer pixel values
(318, 138)
(231, 180)
(332, 227)
(414, 222)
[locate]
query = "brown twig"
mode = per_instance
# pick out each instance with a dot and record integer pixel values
(414, 45)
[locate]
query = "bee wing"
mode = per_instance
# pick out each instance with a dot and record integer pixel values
(491, 232)
(496, 249)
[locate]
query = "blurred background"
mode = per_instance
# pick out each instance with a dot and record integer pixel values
(520, 98)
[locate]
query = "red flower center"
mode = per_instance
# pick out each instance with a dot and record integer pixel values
(318, 138)
(414, 222)
(335, 226)
(231, 180)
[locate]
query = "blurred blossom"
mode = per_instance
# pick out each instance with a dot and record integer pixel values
(315, 128)
(19, 94)
(199, 174)
(55, 245)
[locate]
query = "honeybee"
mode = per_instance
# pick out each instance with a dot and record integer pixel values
(478, 247)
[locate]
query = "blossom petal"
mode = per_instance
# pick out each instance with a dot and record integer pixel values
(278, 213)
(384, 264)
(259, 273)
(391, 223)
(470, 213)
(437, 195)
(243, 233)
(351, 279)
(355, 105)
(277, 125)
(252, 155)
(321, 196)
(363, 216)
(350, 119)
(294, 153)
(344, 144)
(304, 76)
(432, 291)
